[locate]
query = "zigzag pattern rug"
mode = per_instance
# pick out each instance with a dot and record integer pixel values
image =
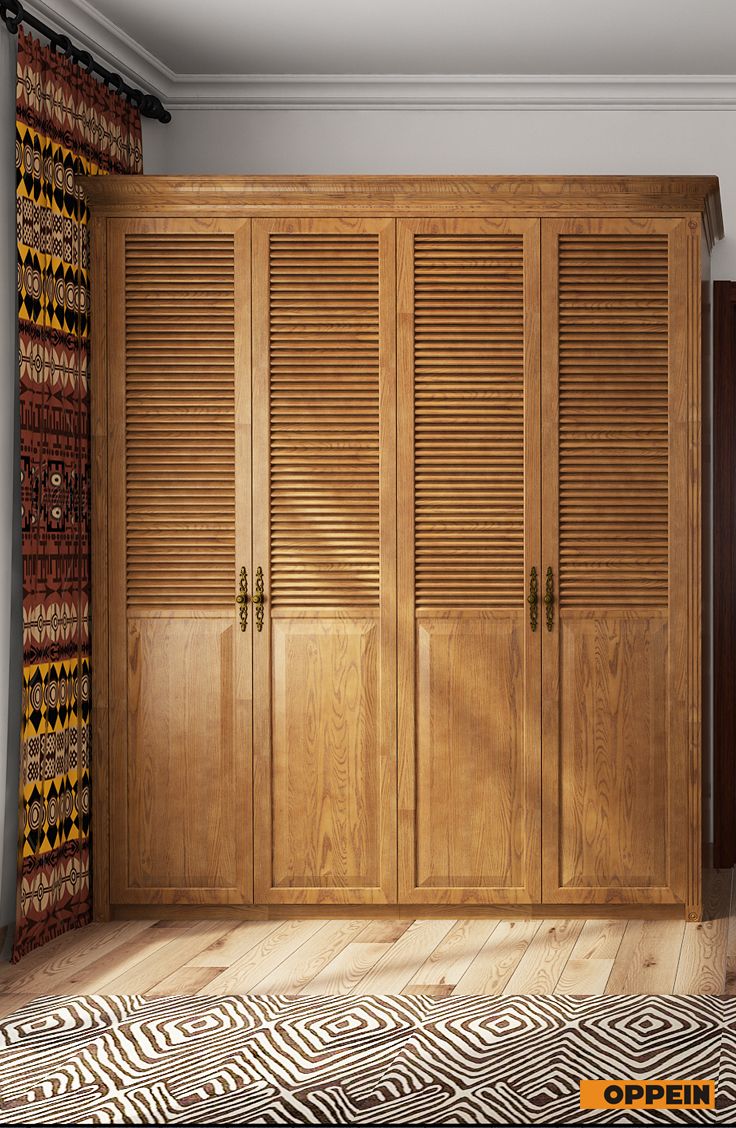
(355, 1060)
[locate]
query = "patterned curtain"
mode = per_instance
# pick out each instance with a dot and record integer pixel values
(67, 124)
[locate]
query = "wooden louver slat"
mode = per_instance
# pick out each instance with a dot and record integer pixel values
(613, 421)
(324, 418)
(468, 420)
(180, 419)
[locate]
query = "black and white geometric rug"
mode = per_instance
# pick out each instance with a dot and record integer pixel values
(356, 1060)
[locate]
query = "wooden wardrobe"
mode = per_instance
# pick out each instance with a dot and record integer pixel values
(400, 544)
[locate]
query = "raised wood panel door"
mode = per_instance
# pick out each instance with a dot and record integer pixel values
(179, 531)
(325, 539)
(618, 345)
(469, 531)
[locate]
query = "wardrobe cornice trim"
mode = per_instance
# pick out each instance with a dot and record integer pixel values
(413, 195)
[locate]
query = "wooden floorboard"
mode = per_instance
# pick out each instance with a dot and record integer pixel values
(407, 954)
(499, 957)
(280, 945)
(541, 965)
(342, 975)
(647, 960)
(292, 974)
(436, 957)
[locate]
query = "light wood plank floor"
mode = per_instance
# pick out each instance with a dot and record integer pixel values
(434, 957)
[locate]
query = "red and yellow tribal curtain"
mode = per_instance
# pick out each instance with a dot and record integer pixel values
(67, 124)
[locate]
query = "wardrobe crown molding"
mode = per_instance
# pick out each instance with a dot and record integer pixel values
(413, 195)
(80, 20)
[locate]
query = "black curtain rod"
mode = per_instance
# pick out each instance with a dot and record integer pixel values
(14, 14)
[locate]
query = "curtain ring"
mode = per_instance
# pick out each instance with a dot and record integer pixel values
(115, 81)
(84, 59)
(64, 44)
(14, 13)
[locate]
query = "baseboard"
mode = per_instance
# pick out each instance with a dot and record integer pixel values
(402, 912)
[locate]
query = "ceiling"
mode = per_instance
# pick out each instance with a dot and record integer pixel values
(422, 37)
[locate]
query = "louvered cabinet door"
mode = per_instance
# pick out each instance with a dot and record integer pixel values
(324, 537)
(619, 366)
(469, 528)
(179, 532)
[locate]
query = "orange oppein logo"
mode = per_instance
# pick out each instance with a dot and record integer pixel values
(647, 1094)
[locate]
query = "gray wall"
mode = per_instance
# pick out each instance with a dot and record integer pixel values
(455, 141)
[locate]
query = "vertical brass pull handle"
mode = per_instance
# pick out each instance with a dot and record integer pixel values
(549, 599)
(259, 599)
(242, 599)
(533, 598)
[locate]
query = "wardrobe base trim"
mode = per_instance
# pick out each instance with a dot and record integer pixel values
(411, 912)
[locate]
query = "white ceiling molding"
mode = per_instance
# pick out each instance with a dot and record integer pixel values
(432, 92)
(117, 50)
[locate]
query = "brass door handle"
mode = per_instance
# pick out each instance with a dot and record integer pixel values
(242, 599)
(549, 598)
(259, 599)
(533, 598)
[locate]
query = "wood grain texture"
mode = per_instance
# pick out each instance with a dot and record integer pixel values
(291, 976)
(613, 394)
(178, 522)
(157, 965)
(413, 195)
(469, 390)
(187, 785)
(410, 912)
(468, 468)
(393, 972)
(342, 974)
(599, 939)
(584, 977)
(613, 737)
(589, 967)
(616, 526)
(188, 980)
(263, 959)
(647, 960)
(326, 787)
(47, 968)
(542, 963)
(471, 740)
(383, 931)
(478, 956)
(324, 534)
(497, 960)
(452, 957)
(121, 958)
(618, 472)
(180, 364)
(228, 948)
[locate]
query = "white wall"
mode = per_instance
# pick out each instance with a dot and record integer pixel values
(455, 141)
